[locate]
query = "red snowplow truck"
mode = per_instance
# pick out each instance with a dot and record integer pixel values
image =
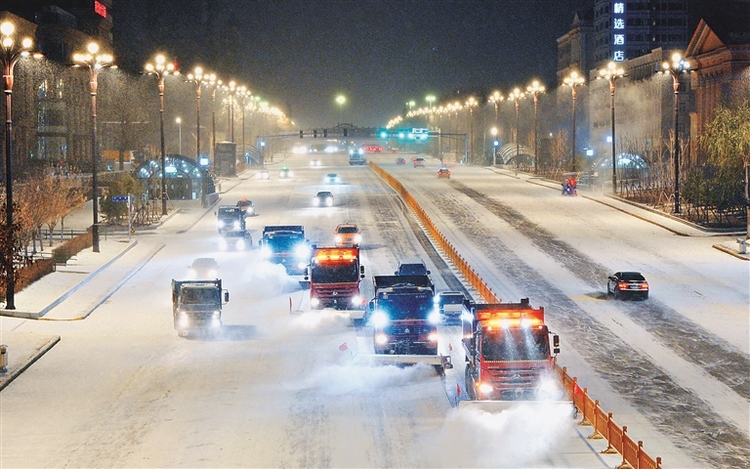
(334, 274)
(508, 354)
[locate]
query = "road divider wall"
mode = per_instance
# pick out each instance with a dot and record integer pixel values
(618, 441)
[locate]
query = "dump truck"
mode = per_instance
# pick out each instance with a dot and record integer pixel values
(508, 355)
(230, 219)
(335, 274)
(286, 245)
(196, 306)
(404, 320)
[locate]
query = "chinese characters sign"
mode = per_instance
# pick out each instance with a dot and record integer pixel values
(618, 31)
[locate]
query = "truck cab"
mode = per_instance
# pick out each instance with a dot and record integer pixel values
(196, 306)
(230, 219)
(508, 351)
(403, 315)
(286, 245)
(335, 274)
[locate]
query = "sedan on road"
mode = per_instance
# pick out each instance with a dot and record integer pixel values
(332, 178)
(627, 284)
(323, 199)
(347, 234)
(400, 160)
(443, 173)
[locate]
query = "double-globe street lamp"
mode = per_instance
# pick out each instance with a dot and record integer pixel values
(12, 51)
(94, 62)
(535, 89)
(574, 80)
(160, 68)
(611, 73)
(340, 100)
(675, 68)
(516, 95)
(196, 78)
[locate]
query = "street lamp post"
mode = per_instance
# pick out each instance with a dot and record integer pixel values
(94, 62)
(535, 89)
(574, 81)
(196, 78)
(516, 95)
(612, 72)
(214, 84)
(12, 51)
(179, 135)
(675, 68)
(470, 103)
(160, 68)
(493, 131)
(430, 99)
(244, 93)
(340, 100)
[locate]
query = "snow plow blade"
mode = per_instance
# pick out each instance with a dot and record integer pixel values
(442, 361)
(496, 407)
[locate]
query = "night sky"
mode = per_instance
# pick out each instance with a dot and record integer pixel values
(299, 55)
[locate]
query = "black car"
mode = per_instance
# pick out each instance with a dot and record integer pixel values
(627, 284)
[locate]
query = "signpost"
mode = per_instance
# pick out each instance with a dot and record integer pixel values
(129, 199)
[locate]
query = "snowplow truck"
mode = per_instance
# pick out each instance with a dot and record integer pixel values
(404, 320)
(196, 306)
(230, 219)
(335, 274)
(508, 352)
(286, 245)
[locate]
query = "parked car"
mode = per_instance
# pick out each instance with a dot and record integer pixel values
(323, 199)
(444, 173)
(419, 161)
(400, 160)
(627, 285)
(347, 234)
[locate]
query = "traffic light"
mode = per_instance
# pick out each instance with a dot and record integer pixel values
(315, 133)
(325, 133)
(301, 133)
(346, 132)
(383, 134)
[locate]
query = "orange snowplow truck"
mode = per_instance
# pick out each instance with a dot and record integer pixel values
(334, 274)
(508, 351)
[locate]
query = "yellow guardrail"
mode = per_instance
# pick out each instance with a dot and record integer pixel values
(618, 441)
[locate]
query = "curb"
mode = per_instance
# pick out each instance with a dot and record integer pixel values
(6, 380)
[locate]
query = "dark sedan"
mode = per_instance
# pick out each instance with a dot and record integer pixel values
(627, 285)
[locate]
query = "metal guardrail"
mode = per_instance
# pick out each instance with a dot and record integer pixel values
(618, 441)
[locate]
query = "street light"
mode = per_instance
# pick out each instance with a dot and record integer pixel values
(94, 62)
(430, 99)
(231, 89)
(496, 98)
(612, 72)
(244, 93)
(340, 100)
(516, 95)
(179, 135)
(574, 81)
(12, 51)
(675, 68)
(470, 103)
(196, 78)
(211, 81)
(160, 69)
(535, 89)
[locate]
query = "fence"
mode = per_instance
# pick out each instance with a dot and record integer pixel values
(633, 455)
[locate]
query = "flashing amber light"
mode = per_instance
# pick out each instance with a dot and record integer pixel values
(336, 254)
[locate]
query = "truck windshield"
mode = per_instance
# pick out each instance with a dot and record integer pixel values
(334, 273)
(283, 243)
(229, 212)
(516, 344)
(406, 306)
(200, 296)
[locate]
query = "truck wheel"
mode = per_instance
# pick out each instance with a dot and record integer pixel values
(469, 383)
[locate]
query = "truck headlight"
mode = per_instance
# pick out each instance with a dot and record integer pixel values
(356, 300)
(240, 244)
(314, 302)
(434, 317)
(433, 337)
(339, 239)
(486, 388)
(265, 252)
(220, 223)
(183, 320)
(302, 251)
(357, 239)
(236, 225)
(379, 319)
(381, 339)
